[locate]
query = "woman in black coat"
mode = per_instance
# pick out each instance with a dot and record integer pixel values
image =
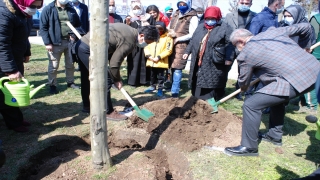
(14, 51)
(138, 73)
(211, 56)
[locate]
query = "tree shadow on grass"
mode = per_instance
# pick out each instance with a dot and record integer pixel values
(62, 149)
(313, 150)
(286, 174)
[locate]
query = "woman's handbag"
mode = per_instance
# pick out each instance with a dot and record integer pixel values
(218, 54)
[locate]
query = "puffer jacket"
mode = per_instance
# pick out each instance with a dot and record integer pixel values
(210, 74)
(163, 19)
(161, 49)
(14, 34)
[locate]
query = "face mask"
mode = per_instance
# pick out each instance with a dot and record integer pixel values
(112, 9)
(278, 11)
(63, 2)
(199, 15)
(137, 12)
(74, 1)
(142, 45)
(211, 22)
(169, 14)
(30, 11)
(288, 20)
(183, 9)
(243, 8)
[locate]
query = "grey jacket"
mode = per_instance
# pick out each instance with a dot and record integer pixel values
(278, 61)
(232, 19)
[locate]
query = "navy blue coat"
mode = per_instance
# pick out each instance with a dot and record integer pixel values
(50, 29)
(263, 20)
(14, 34)
(84, 17)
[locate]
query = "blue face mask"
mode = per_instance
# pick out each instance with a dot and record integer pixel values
(243, 8)
(183, 9)
(211, 22)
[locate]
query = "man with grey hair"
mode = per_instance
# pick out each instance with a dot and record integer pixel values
(286, 71)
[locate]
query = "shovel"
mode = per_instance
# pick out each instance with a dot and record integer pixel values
(144, 114)
(215, 104)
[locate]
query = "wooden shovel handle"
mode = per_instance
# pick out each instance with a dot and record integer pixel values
(124, 92)
(314, 46)
(237, 91)
(73, 30)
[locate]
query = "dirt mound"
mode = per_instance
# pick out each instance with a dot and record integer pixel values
(189, 125)
(143, 150)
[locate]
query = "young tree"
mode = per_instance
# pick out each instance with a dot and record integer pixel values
(309, 5)
(99, 37)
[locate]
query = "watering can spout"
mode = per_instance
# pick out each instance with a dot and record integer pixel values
(33, 92)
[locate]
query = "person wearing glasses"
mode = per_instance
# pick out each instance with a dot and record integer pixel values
(14, 51)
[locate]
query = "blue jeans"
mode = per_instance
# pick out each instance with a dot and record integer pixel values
(177, 76)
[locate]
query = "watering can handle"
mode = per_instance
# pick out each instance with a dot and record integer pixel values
(26, 81)
(1, 80)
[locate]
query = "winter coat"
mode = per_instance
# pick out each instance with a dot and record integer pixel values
(117, 18)
(14, 34)
(210, 74)
(161, 49)
(263, 20)
(50, 29)
(163, 18)
(180, 25)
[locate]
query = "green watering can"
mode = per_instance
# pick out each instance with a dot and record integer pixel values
(18, 94)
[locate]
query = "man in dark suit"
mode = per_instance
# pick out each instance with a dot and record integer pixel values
(286, 70)
(113, 16)
(241, 18)
(83, 13)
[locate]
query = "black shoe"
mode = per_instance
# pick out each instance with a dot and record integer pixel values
(241, 151)
(266, 111)
(239, 97)
(73, 86)
(265, 137)
(53, 90)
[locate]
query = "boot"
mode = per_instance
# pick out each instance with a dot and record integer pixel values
(160, 93)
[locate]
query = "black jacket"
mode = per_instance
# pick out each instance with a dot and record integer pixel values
(84, 17)
(117, 18)
(50, 29)
(14, 34)
(210, 74)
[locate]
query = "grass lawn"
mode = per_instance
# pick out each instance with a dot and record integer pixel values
(60, 115)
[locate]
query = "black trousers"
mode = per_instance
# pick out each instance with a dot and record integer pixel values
(252, 111)
(83, 53)
(157, 77)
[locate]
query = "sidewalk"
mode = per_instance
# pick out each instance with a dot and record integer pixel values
(233, 73)
(35, 40)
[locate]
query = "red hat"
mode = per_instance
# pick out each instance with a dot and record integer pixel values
(213, 12)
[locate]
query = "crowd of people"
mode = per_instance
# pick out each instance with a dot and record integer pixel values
(157, 46)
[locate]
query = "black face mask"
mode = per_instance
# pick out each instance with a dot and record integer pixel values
(169, 14)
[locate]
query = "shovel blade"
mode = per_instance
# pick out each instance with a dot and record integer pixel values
(144, 114)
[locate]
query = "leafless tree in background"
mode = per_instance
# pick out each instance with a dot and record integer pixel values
(309, 5)
(204, 3)
(233, 5)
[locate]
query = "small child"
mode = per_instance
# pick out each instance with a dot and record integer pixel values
(157, 54)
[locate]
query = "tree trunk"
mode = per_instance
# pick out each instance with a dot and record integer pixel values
(99, 37)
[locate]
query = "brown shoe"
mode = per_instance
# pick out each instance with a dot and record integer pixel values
(115, 116)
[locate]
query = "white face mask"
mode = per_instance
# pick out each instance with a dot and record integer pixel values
(288, 20)
(74, 1)
(137, 12)
(112, 9)
(199, 15)
(30, 11)
(63, 2)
